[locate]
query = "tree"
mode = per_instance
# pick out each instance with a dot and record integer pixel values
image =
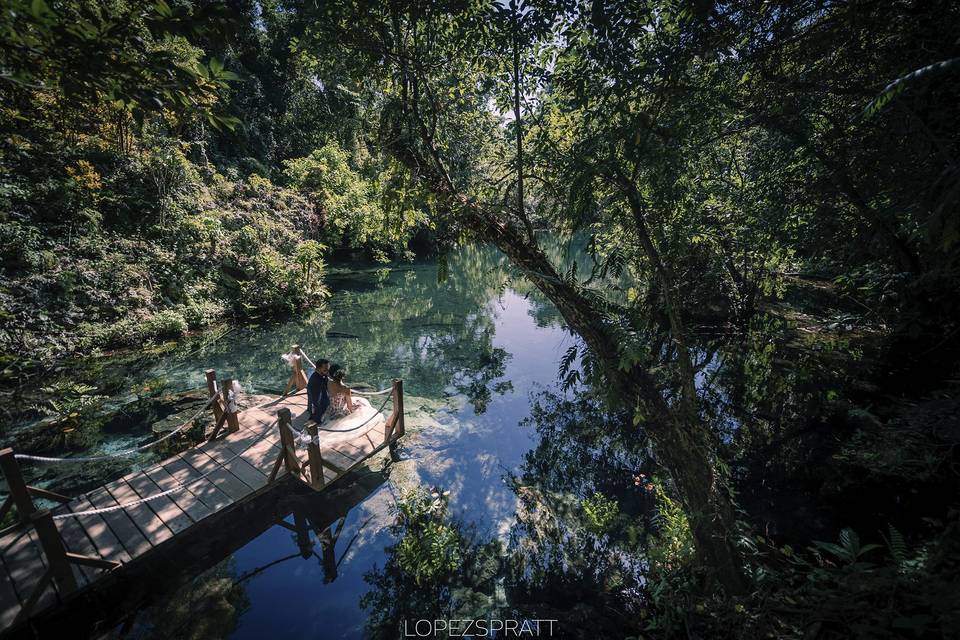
(434, 99)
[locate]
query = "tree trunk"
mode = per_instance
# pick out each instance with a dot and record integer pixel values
(521, 210)
(681, 442)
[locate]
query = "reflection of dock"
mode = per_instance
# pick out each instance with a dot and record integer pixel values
(90, 544)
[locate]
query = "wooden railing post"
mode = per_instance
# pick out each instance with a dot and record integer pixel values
(230, 407)
(314, 457)
(298, 379)
(226, 415)
(211, 391)
(398, 405)
(288, 448)
(55, 552)
(58, 563)
(19, 493)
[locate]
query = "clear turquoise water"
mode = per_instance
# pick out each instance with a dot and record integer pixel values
(477, 342)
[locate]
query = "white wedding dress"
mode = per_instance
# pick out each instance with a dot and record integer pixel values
(343, 426)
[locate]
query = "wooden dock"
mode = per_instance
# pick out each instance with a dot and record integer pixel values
(49, 559)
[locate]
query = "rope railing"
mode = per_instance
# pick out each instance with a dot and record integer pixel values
(357, 391)
(302, 438)
(125, 452)
(372, 393)
(180, 485)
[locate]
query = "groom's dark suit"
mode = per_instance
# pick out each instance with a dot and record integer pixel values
(317, 397)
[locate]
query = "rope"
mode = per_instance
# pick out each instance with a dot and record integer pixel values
(125, 452)
(180, 485)
(307, 358)
(303, 437)
(362, 393)
(373, 393)
(382, 405)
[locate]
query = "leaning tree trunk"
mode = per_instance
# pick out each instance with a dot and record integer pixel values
(681, 442)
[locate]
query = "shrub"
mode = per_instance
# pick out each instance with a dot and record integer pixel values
(164, 324)
(601, 513)
(20, 245)
(430, 547)
(202, 313)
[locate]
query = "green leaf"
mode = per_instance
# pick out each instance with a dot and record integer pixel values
(161, 7)
(40, 9)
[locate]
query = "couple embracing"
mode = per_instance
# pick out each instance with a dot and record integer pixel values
(327, 396)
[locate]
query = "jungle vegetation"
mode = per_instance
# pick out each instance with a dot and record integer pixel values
(165, 165)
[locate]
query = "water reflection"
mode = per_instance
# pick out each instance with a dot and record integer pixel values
(470, 349)
(452, 339)
(550, 521)
(308, 534)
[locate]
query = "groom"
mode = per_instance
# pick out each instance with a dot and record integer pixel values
(317, 398)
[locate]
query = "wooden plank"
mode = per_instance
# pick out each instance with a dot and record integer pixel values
(24, 559)
(363, 445)
(165, 508)
(9, 603)
(75, 540)
(146, 520)
(185, 499)
(228, 447)
(334, 457)
(204, 488)
(255, 455)
(347, 450)
(262, 456)
(121, 524)
(99, 532)
(225, 481)
(239, 467)
(246, 472)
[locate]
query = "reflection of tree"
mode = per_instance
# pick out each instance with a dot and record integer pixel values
(559, 564)
(436, 571)
(477, 385)
(557, 554)
(206, 608)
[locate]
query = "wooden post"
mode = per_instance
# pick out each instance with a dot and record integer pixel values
(301, 380)
(225, 415)
(398, 405)
(212, 390)
(298, 379)
(19, 493)
(233, 423)
(314, 457)
(55, 552)
(303, 535)
(288, 448)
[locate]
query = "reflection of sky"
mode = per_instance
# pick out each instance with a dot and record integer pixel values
(290, 600)
(481, 455)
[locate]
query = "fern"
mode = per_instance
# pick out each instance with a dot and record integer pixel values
(899, 85)
(897, 545)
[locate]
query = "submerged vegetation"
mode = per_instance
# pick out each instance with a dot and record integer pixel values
(746, 214)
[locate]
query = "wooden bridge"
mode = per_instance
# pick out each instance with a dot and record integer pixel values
(53, 556)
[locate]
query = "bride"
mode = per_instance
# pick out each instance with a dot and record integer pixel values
(341, 397)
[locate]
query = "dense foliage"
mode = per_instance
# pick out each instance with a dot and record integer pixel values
(145, 196)
(759, 184)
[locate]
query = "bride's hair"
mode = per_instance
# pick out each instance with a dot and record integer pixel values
(337, 372)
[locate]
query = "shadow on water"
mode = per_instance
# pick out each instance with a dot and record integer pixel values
(548, 506)
(194, 589)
